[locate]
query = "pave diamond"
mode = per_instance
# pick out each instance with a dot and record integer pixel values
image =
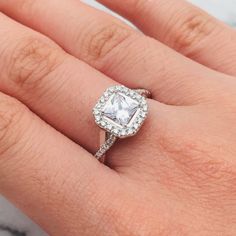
(121, 109)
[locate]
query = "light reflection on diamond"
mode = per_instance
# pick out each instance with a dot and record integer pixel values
(120, 109)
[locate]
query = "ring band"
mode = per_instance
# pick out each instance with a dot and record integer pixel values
(120, 112)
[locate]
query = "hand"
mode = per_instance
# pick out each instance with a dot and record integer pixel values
(177, 176)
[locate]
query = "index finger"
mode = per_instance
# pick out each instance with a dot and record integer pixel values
(185, 28)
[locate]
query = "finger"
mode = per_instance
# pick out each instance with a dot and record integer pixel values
(115, 49)
(56, 86)
(48, 176)
(185, 28)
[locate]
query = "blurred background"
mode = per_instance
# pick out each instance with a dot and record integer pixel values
(15, 223)
(223, 9)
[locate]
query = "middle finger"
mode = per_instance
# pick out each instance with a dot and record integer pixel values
(116, 49)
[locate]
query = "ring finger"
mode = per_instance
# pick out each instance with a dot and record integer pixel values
(58, 87)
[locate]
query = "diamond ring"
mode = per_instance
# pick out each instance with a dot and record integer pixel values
(120, 112)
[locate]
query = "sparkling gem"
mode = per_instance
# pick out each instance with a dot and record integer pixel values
(143, 114)
(106, 94)
(116, 131)
(109, 126)
(103, 123)
(139, 120)
(143, 101)
(131, 131)
(102, 100)
(121, 109)
(98, 118)
(98, 106)
(123, 132)
(145, 108)
(96, 112)
(112, 89)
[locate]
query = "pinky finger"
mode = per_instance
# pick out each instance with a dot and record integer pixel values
(48, 176)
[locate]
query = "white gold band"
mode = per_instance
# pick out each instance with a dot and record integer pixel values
(109, 142)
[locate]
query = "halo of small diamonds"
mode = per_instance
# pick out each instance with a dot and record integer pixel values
(121, 111)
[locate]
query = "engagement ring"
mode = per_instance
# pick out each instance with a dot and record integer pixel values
(120, 112)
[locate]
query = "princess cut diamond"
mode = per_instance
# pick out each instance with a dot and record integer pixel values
(121, 111)
(120, 108)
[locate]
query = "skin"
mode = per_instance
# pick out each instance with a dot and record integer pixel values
(177, 176)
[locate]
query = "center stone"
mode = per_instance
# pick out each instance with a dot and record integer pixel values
(120, 109)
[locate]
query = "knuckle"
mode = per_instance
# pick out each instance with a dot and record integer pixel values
(192, 31)
(11, 112)
(31, 62)
(97, 44)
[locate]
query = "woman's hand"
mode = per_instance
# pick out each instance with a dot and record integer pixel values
(177, 176)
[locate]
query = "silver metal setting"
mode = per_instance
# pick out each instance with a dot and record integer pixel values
(120, 112)
(109, 141)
